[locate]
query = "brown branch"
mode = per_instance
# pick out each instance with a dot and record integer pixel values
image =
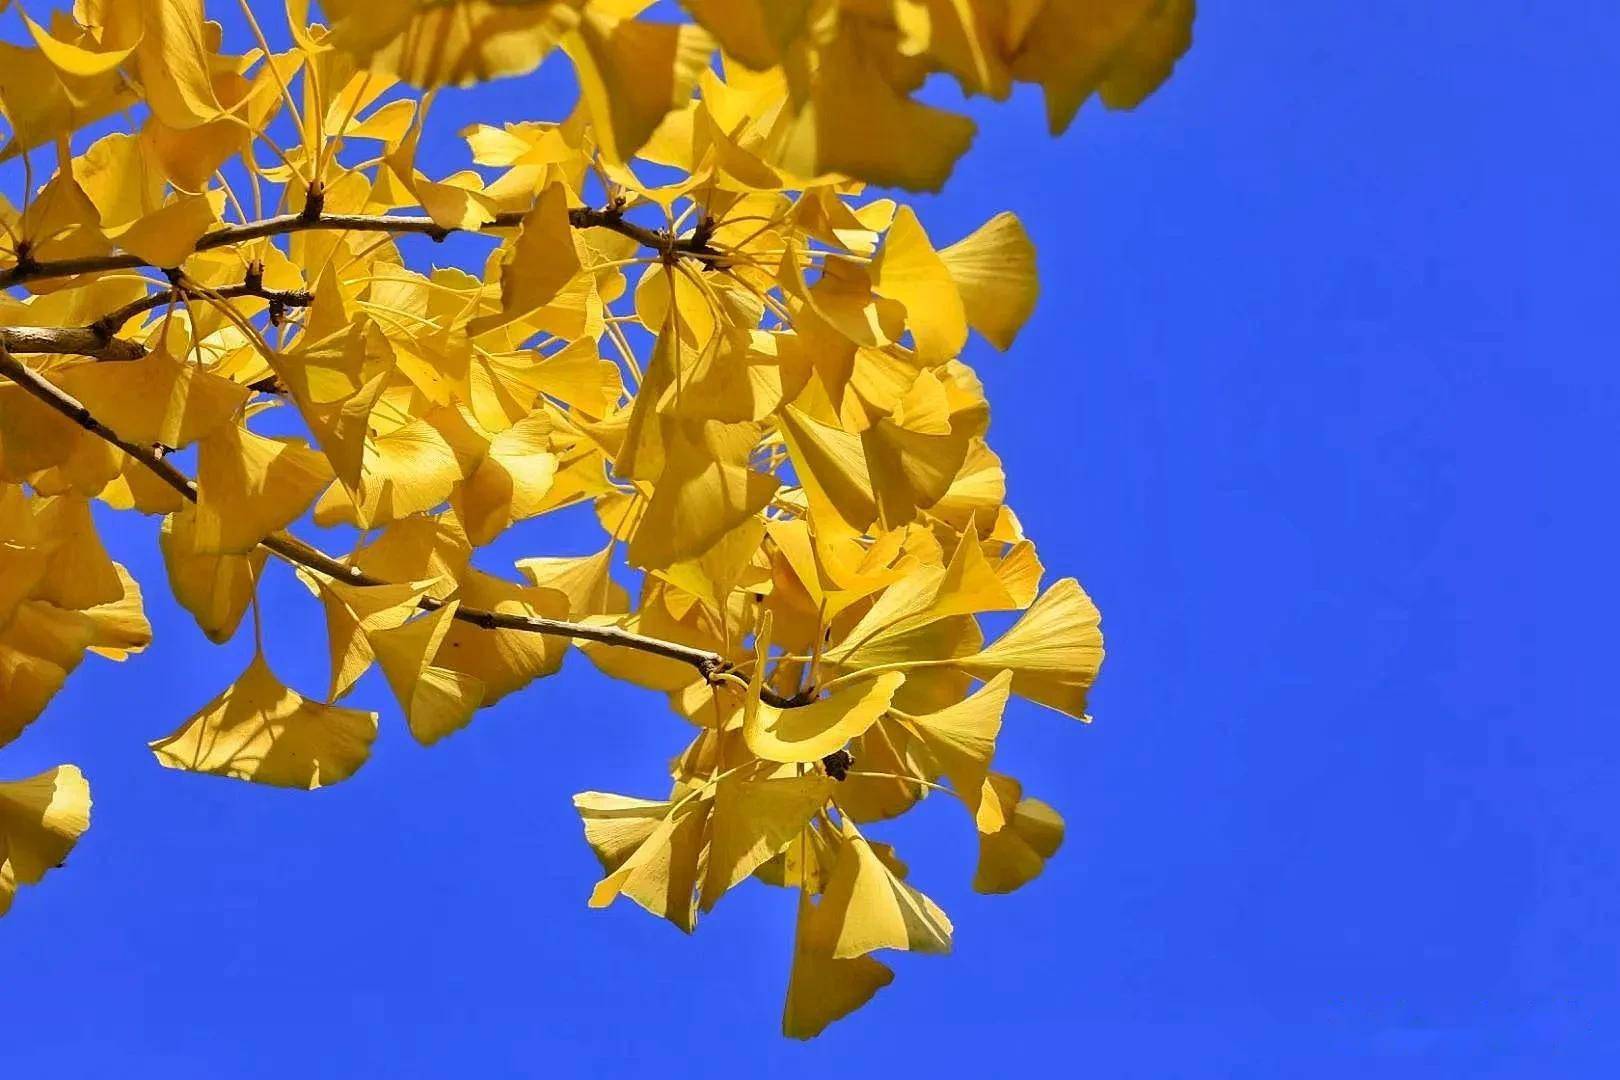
(77, 340)
(110, 323)
(663, 241)
(99, 339)
(708, 664)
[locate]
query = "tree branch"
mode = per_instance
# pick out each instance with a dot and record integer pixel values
(99, 339)
(110, 323)
(663, 241)
(708, 664)
(76, 340)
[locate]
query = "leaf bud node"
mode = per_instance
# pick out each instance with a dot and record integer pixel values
(838, 764)
(314, 202)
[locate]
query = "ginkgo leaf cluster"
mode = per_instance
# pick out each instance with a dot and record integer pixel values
(696, 324)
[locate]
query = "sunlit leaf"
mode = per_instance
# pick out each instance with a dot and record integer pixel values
(41, 819)
(867, 907)
(1014, 854)
(259, 730)
(754, 819)
(250, 485)
(1053, 651)
(822, 988)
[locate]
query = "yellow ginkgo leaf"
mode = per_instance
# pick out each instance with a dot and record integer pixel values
(757, 32)
(388, 123)
(261, 731)
(909, 270)
(1053, 651)
(423, 548)
(584, 579)
(156, 400)
(116, 176)
(39, 648)
(866, 907)
(654, 619)
(17, 524)
(727, 565)
(811, 732)
(538, 263)
(706, 489)
(1074, 48)
(136, 487)
(994, 268)
(663, 297)
(41, 102)
(41, 644)
(78, 571)
(977, 492)
(512, 481)
(842, 299)
(1019, 571)
(74, 58)
(504, 661)
(1014, 854)
(1148, 55)
(962, 737)
(41, 819)
(803, 864)
(967, 586)
(355, 611)
(20, 571)
(886, 748)
(437, 701)
(215, 588)
(119, 628)
(167, 235)
(650, 851)
(431, 43)
(577, 376)
(898, 143)
(173, 57)
(834, 572)
(632, 73)
(406, 471)
(822, 988)
(189, 156)
(345, 101)
(336, 380)
(729, 378)
(831, 464)
(61, 222)
(752, 820)
(456, 202)
(250, 485)
(912, 467)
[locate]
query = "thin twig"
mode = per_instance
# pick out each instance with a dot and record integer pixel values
(663, 241)
(99, 339)
(111, 322)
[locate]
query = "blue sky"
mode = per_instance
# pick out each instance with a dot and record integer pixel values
(1319, 404)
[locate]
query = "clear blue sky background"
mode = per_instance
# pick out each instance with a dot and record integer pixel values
(1320, 403)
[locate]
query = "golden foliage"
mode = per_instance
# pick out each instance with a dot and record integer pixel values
(696, 323)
